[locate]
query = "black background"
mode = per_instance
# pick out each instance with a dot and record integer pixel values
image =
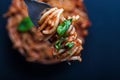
(101, 54)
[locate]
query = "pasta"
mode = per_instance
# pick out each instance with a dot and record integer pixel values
(59, 36)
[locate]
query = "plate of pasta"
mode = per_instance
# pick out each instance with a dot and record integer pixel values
(59, 36)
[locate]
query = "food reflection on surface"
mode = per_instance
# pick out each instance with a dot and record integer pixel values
(58, 38)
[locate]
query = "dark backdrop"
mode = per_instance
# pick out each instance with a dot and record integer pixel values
(101, 54)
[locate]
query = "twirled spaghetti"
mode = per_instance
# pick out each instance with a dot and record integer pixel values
(59, 36)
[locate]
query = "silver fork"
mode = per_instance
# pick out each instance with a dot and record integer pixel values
(35, 9)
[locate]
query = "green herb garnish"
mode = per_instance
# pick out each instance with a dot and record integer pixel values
(69, 44)
(25, 24)
(58, 43)
(63, 27)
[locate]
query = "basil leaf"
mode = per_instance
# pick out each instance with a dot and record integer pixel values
(69, 44)
(63, 27)
(59, 42)
(25, 24)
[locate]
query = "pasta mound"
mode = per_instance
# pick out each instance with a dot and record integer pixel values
(41, 44)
